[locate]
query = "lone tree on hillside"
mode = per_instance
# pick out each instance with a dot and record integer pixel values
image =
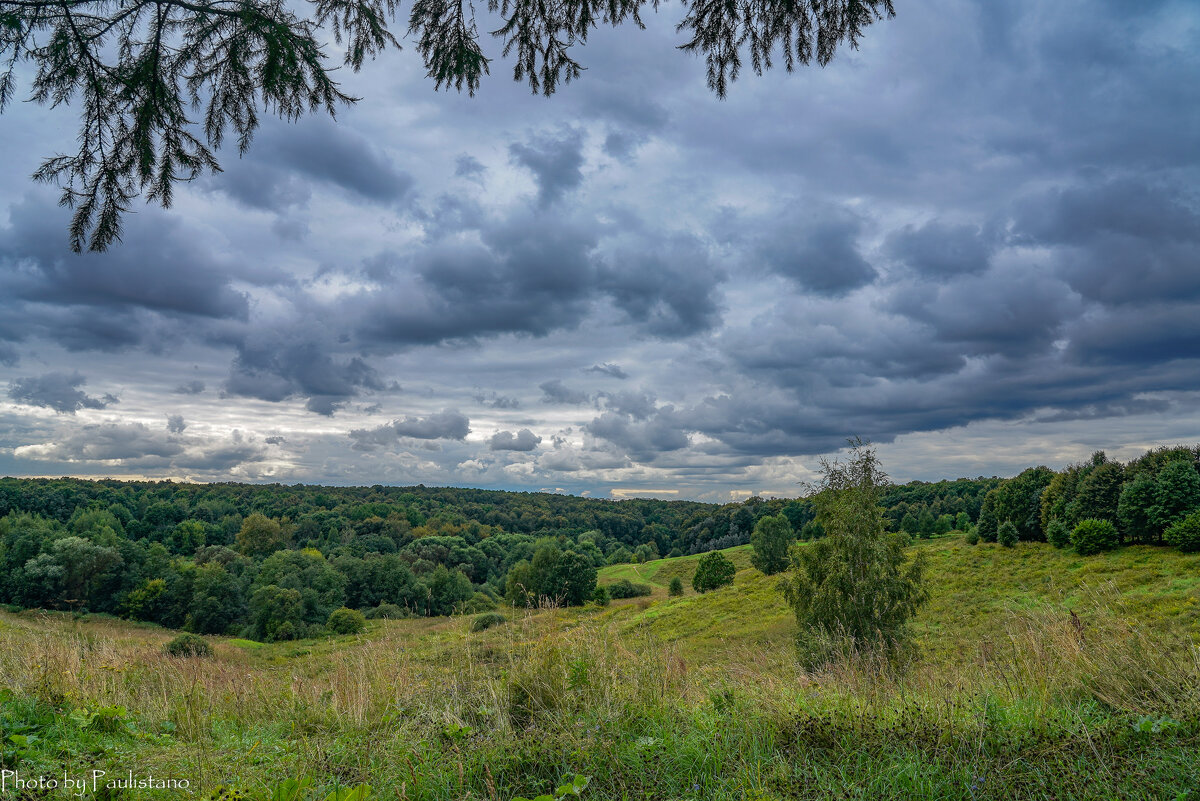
(852, 591)
(715, 570)
(161, 82)
(770, 540)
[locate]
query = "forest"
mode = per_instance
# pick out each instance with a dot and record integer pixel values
(274, 562)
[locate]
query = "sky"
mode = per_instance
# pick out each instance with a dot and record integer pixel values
(974, 241)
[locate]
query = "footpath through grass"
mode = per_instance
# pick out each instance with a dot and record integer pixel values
(697, 697)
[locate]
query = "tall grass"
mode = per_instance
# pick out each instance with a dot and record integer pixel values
(1053, 695)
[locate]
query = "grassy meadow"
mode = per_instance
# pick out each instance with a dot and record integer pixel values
(1041, 674)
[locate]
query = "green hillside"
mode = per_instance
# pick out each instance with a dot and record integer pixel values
(697, 697)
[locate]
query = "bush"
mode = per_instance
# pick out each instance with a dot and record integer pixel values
(715, 570)
(346, 621)
(188, 645)
(1057, 533)
(1185, 534)
(600, 596)
(1006, 534)
(676, 587)
(624, 588)
(386, 611)
(972, 536)
(479, 602)
(486, 621)
(1093, 536)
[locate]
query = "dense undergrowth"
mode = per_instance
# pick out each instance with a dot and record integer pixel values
(1040, 675)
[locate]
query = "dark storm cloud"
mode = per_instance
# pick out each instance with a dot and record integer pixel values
(446, 424)
(1145, 335)
(524, 441)
(644, 440)
(555, 391)
(1118, 241)
(1014, 312)
(275, 440)
(57, 391)
(190, 388)
(162, 267)
(523, 277)
(638, 405)
(937, 249)
(8, 355)
(609, 369)
(275, 369)
(556, 161)
(336, 154)
(176, 424)
(816, 247)
(668, 285)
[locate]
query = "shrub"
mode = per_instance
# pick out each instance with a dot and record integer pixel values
(624, 588)
(386, 611)
(1093, 536)
(479, 602)
(1185, 534)
(972, 536)
(676, 587)
(1006, 534)
(188, 645)
(486, 620)
(600, 596)
(346, 621)
(715, 570)
(1057, 533)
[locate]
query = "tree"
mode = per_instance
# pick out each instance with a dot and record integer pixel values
(926, 523)
(714, 571)
(518, 587)
(1134, 509)
(675, 588)
(276, 613)
(909, 524)
(770, 540)
(1176, 494)
(572, 580)
(260, 536)
(853, 589)
(1099, 492)
(138, 65)
(1007, 535)
(962, 521)
(988, 526)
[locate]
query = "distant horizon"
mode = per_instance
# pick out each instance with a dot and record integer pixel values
(621, 493)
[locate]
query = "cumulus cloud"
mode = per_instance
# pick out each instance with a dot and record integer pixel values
(555, 391)
(524, 440)
(556, 161)
(446, 424)
(57, 391)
